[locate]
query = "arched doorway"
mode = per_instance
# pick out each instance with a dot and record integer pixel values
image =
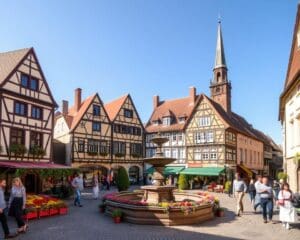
(134, 174)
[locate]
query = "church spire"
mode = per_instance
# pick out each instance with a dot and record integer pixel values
(220, 54)
(220, 87)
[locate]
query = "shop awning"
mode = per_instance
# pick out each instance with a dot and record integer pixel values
(169, 170)
(247, 170)
(204, 171)
(32, 165)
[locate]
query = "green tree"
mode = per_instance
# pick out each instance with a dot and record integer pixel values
(282, 175)
(183, 182)
(122, 179)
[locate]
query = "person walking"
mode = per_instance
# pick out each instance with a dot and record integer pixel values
(287, 212)
(239, 190)
(252, 191)
(95, 187)
(3, 218)
(266, 199)
(257, 195)
(77, 184)
(17, 203)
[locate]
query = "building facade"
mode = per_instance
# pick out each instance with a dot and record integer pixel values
(214, 135)
(127, 137)
(101, 138)
(289, 112)
(27, 112)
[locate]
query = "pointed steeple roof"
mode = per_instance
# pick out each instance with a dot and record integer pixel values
(220, 54)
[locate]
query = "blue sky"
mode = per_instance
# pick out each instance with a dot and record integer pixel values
(162, 47)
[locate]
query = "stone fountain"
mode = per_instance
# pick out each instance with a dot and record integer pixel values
(158, 192)
(150, 204)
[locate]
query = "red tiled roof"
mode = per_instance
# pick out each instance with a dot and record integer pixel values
(294, 61)
(184, 107)
(176, 108)
(113, 108)
(73, 117)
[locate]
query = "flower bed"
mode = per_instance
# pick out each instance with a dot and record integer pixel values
(186, 206)
(38, 206)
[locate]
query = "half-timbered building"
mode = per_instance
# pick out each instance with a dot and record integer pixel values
(86, 132)
(214, 136)
(289, 111)
(26, 113)
(127, 137)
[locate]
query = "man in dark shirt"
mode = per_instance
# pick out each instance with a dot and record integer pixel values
(2, 214)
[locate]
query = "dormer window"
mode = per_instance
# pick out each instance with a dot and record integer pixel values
(155, 122)
(181, 119)
(167, 121)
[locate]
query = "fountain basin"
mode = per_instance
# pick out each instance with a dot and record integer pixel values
(136, 211)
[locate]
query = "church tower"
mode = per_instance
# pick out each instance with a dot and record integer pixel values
(220, 87)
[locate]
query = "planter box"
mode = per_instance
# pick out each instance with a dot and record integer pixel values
(31, 215)
(117, 219)
(53, 211)
(44, 213)
(63, 211)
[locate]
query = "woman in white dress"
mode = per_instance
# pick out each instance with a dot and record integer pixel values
(95, 187)
(287, 213)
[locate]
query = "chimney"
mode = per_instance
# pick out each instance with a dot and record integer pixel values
(155, 101)
(193, 94)
(65, 107)
(77, 99)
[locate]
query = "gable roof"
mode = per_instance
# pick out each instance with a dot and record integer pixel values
(294, 60)
(293, 70)
(10, 60)
(181, 107)
(113, 108)
(73, 117)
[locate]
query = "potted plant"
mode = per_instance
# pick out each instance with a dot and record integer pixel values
(220, 212)
(117, 214)
(102, 207)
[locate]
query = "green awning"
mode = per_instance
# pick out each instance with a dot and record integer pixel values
(204, 171)
(169, 170)
(173, 170)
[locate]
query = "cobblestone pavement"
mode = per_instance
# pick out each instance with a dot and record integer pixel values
(87, 224)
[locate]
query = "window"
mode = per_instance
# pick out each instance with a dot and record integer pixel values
(96, 127)
(36, 139)
(167, 153)
(93, 146)
(17, 136)
(174, 138)
(181, 153)
(119, 148)
(166, 121)
(246, 155)
(197, 154)
(204, 121)
(20, 108)
(24, 80)
(104, 148)
(128, 113)
(117, 128)
(210, 137)
(250, 156)
(155, 122)
(96, 110)
(182, 119)
(36, 112)
(241, 155)
(136, 149)
(179, 137)
(213, 154)
(175, 153)
(231, 154)
(34, 84)
(205, 156)
(80, 145)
